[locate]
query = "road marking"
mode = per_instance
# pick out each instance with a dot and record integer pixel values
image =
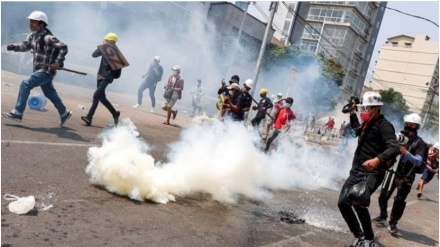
(49, 143)
(291, 241)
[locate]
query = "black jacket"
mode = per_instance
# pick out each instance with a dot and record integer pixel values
(105, 72)
(378, 140)
(416, 146)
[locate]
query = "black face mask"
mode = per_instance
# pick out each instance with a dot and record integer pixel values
(408, 130)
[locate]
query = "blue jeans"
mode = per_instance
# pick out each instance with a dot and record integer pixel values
(151, 88)
(43, 80)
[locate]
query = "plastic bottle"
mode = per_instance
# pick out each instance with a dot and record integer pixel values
(37, 101)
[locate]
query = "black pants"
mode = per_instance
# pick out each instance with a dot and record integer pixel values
(257, 119)
(99, 96)
(403, 185)
(349, 210)
(271, 139)
(151, 88)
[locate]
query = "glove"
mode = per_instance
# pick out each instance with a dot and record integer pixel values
(10, 47)
(254, 107)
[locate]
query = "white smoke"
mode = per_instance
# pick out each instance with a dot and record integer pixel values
(222, 159)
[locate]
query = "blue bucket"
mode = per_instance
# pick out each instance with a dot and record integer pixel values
(37, 101)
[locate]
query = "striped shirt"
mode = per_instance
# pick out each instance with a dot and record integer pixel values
(54, 51)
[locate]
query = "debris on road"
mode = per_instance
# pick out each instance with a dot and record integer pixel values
(290, 218)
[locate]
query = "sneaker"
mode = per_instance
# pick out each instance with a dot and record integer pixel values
(86, 120)
(116, 117)
(13, 116)
(357, 242)
(136, 106)
(419, 195)
(369, 243)
(64, 119)
(174, 114)
(392, 228)
(379, 219)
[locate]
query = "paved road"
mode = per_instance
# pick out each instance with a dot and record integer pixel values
(42, 159)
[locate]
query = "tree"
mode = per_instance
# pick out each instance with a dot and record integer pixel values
(333, 71)
(394, 104)
(321, 95)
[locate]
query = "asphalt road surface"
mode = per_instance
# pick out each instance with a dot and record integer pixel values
(42, 159)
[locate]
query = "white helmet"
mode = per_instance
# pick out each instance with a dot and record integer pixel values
(249, 83)
(371, 99)
(436, 145)
(413, 118)
(157, 58)
(176, 67)
(38, 16)
(279, 95)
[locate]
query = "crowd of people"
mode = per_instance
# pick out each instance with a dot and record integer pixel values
(380, 160)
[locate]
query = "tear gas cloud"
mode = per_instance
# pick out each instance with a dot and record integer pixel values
(179, 38)
(221, 159)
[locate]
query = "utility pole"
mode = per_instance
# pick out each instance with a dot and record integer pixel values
(292, 79)
(433, 89)
(273, 9)
(237, 40)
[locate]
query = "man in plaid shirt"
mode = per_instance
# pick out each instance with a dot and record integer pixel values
(49, 54)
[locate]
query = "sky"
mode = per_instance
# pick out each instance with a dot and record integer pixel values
(393, 23)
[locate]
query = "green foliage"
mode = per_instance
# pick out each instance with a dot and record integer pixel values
(324, 92)
(394, 103)
(333, 71)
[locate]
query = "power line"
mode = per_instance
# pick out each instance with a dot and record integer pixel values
(423, 18)
(303, 22)
(258, 7)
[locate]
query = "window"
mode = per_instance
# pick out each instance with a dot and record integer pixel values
(394, 44)
(408, 45)
(289, 13)
(312, 31)
(286, 26)
(309, 46)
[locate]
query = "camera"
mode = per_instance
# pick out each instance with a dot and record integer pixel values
(346, 108)
(401, 139)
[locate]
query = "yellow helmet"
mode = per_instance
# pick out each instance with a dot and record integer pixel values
(112, 37)
(263, 90)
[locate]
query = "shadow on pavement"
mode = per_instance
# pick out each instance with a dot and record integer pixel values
(424, 198)
(62, 132)
(416, 238)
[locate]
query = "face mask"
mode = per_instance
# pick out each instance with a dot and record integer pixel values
(365, 116)
(231, 92)
(287, 105)
(410, 129)
(409, 132)
(175, 73)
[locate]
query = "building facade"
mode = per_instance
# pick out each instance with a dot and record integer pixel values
(409, 65)
(346, 31)
(227, 18)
